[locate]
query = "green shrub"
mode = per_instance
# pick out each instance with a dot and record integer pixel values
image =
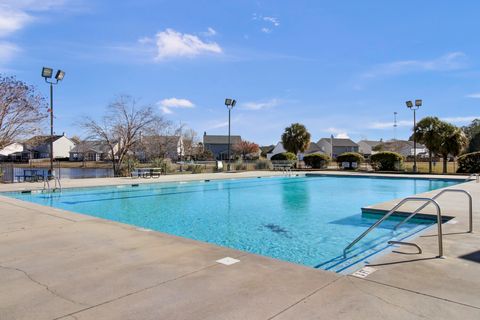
(316, 160)
(263, 165)
(386, 161)
(350, 157)
(469, 163)
(284, 156)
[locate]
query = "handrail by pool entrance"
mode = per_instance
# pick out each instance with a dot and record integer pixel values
(470, 217)
(392, 211)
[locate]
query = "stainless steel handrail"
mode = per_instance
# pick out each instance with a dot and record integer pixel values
(393, 210)
(476, 175)
(470, 201)
(46, 185)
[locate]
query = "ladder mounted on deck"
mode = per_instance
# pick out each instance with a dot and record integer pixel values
(426, 201)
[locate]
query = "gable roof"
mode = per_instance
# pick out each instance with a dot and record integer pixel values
(313, 148)
(337, 142)
(371, 143)
(40, 140)
(217, 139)
(91, 145)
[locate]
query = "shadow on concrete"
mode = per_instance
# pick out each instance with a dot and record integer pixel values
(473, 256)
(402, 261)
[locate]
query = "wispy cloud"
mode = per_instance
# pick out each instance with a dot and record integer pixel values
(337, 132)
(342, 135)
(166, 105)
(409, 123)
(384, 125)
(460, 120)
(260, 105)
(210, 32)
(473, 95)
(447, 62)
(16, 14)
(7, 51)
(269, 23)
(174, 44)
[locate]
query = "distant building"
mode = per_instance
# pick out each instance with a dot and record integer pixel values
(312, 148)
(171, 147)
(339, 146)
(218, 145)
(91, 150)
(38, 147)
(11, 151)
(404, 147)
(366, 147)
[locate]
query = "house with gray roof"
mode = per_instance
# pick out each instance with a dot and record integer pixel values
(218, 144)
(38, 147)
(365, 147)
(339, 146)
(91, 150)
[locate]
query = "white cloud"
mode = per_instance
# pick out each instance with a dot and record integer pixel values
(272, 20)
(260, 105)
(171, 44)
(210, 32)
(16, 14)
(473, 95)
(409, 123)
(460, 120)
(342, 135)
(12, 20)
(7, 51)
(166, 105)
(269, 23)
(384, 125)
(447, 62)
(218, 125)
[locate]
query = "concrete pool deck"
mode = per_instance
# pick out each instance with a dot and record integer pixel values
(56, 264)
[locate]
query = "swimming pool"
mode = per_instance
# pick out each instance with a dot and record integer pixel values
(305, 220)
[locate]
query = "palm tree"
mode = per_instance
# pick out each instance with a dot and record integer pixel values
(453, 142)
(296, 138)
(427, 132)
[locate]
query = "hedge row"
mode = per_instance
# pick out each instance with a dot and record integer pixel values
(386, 161)
(469, 163)
(316, 160)
(284, 156)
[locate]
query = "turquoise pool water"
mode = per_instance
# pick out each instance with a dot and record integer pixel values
(305, 220)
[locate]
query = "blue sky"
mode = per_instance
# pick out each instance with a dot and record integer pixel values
(339, 67)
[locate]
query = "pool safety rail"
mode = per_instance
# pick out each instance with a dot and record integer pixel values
(470, 213)
(393, 210)
(57, 186)
(474, 175)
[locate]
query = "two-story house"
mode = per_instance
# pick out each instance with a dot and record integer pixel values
(218, 145)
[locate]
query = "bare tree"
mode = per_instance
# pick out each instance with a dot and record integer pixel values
(122, 126)
(21, 110)
(190, 142)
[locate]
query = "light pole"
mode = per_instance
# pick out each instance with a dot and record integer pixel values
(411, 106)
(47, 73)
(230, 103)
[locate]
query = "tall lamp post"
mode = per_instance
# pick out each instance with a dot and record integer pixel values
(47, 73)
(414, 107)
(230, 103)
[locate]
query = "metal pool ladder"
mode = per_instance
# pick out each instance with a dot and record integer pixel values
(393, 210)
(46, 184)
(427, 202)
(470, 214)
